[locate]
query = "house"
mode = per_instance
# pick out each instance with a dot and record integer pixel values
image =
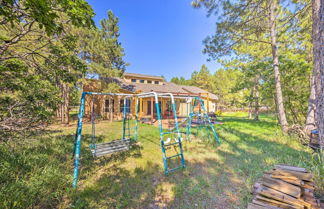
(108, 107)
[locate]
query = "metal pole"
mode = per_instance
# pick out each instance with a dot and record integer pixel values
(177, 128)
(210, 124)
(78, 141)
(152, 114)
(124, 119)
(93, 137)
(136, 120)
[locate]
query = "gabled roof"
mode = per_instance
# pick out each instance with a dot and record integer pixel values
(143, 76)
(197, 90)
(166, 87)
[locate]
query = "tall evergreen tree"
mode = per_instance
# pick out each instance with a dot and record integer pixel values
(318, 42)
(201, 78)
(248, 22)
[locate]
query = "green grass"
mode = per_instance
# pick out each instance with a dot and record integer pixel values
(38, 173)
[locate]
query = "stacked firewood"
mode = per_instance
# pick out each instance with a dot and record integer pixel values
(284, 187)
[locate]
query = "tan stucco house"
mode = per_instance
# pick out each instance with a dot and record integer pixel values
(133, 83)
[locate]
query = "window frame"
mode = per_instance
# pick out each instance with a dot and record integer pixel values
(107, 105)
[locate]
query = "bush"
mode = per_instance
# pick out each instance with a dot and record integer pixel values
(27, 100)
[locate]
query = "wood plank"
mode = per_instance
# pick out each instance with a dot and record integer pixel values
(255, 206)
(277, 203)
(283, 177)
(264, 204)
(291, 168)
(276, 195)
(281, 186)
(300, 175)
(288, 179)
(296, 182)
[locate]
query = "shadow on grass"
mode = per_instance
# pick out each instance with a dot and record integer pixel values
(221, 181)
(215, 177)
(117, 187)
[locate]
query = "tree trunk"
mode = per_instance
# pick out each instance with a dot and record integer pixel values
(318, 51)
(65, 105)
(310, 118)
(273, 33)
(256, 107)
(251, 102)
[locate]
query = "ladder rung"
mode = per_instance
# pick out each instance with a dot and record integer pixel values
(173, 169)
(173, 156)
(171, 144)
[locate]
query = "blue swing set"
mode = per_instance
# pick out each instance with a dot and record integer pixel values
(126, 140)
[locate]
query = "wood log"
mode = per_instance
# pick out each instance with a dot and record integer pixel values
(290, 168)
(264, 204)
(255, 206)
(300, 175)
(279, 196)
(276, 203)
(291, 180)
(285, 187)
(281, 186)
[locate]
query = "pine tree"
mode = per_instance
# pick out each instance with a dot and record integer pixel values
(318, 42)
(251, 22)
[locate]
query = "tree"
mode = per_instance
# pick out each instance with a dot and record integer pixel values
(36, 39)
(27, 100)
(201, 78)
(248, 22)
(274, 45)
(251, 79)
(20, 18)
(224, 83)
(181, 81)
(103, 54)
(318, 51)
(104, 51)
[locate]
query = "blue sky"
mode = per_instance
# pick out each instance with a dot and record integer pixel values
(160, 37)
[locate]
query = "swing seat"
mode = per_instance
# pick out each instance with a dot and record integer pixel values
(111, 147)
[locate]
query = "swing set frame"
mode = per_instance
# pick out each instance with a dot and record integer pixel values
(156, 96)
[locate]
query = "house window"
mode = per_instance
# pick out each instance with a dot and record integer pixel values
(141, 81)
(121, 106)
(149, 81)
(149, 110)
(156, 82)
(133, 80)
(107, 105)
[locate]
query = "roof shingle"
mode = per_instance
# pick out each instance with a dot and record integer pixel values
(144, 76)
(166, 87)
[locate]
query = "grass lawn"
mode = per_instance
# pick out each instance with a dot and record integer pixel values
(38, 173)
